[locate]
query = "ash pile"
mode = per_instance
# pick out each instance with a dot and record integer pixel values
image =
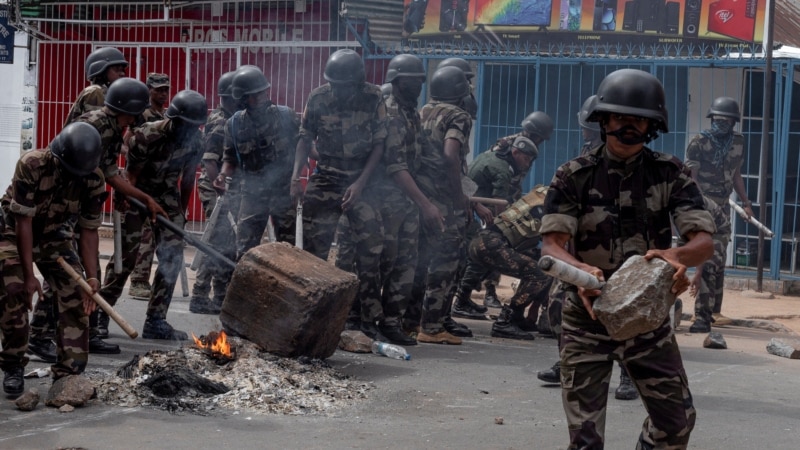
(189, 380)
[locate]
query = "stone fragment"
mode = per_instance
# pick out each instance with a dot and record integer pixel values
(74, 390)
(715, 340)
(637, 299)
(498, 420)
(786, 348)
(28, 400)
(66, 409)
(355, 341)
(288, 301)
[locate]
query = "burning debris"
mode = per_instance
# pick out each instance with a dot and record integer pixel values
(199, 381)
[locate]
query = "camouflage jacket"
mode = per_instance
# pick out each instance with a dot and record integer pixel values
(92, 98)
(715, 172)
(614, 209)
(404, 141)
(516, 179)
(41, 189)
(110, 137)
(262, 143)
(521, 221)
(160, 159)
(494, 176)
(344, 134)
(214, 134)
(441, 121)
(149, 115)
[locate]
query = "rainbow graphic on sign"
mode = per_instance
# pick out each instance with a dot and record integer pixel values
(513, 12)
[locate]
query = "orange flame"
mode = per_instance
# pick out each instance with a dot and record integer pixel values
(216, 343)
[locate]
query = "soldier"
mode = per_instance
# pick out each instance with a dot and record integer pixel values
(259, 143)
(158, 85)
(102, 67)
(716, 156)
(162, 160)
(223, 236)
(346, 120)
(590, 131)
(597, 202)
(48, 189)
(447, 125)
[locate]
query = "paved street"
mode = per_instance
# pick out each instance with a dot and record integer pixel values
(445, 397)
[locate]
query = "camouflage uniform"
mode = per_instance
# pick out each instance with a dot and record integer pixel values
(260, 143)
(224, 236)
(615, 209)
(710, 290)
(160, 159)
(345, 136)
(40, 190)
(439, 252)
(92, 98)
(144, 261)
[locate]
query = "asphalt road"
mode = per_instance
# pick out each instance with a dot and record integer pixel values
(444, 398)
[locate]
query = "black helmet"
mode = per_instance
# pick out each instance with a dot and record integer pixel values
(405, 66)
(461, 63)
(101, 59)
(248, 80)
(583, 114)
(538, 124)
(225, 83)
(128, 96)
(449, 84)
(78, 148)
(632, 92)
(724, 106)
(386, 90)
(188, 106)
(345, 67)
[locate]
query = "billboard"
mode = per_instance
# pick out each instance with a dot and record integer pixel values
(601, 22)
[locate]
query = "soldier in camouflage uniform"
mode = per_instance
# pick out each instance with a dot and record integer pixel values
(716, 156)
(616, 202)
(48, 190)
(162, 160)
(493, 172)
(590, 131)
(158, 84)
(223, 236)
(102, 67)
(447, 125)
(259, 146)
(346, 119)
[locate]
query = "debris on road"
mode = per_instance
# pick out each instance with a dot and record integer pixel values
(786, 348)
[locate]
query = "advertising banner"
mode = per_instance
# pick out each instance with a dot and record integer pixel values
(581, 22)
(6, 38)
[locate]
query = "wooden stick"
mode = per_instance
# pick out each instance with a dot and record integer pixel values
(489, 201)
(99, 300)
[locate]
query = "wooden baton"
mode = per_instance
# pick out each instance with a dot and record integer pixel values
(489, 201)
(126, 327)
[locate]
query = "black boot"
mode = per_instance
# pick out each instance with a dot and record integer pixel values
(45, 349)
(202, 305)
(101, 347)
(551, 375)
(626, 390)
(13, 383)
(157, 328)
(507, 325)
(102, 324)
(465, 309)
(395, 335)
(455, 328)
(700, 325)
(490, 299)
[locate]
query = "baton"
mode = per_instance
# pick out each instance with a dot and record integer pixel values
(298, 226)
(489, 201)
(751, 219)
(101, 302)
(117, 241)
(569, 273)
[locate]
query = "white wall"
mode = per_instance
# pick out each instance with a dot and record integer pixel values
(12, 90)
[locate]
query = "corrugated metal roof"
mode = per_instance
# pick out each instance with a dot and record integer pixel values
(787, 22)
(385, 18)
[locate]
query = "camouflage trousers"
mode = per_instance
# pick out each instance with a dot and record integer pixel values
(652, 360)
(322, 209)
(255, 209)
(490, 251)
(144, 260)
(437, 268)
(169, 250)
(710, 291)
(400, 219)
(210, 273)
(490, 278)
(72, 333)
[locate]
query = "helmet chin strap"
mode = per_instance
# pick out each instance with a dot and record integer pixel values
(634, 138)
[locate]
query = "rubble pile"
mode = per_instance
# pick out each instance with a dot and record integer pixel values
(188, 380)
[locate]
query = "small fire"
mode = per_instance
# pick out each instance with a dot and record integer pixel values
(215, 343)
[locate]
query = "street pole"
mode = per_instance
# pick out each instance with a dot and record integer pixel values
(766, 150)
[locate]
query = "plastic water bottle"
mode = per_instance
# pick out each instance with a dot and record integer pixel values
(390, 350)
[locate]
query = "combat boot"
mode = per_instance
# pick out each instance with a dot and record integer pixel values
(720, 320)
(102, 324)
(455, 328)
(490, 299)
(101, 347)
(157, 328)
(465, 309)
(442, 337)
(507, 326)
(395, 335)
(13, 383)
(700, 325)
(626, 390)
(140, 290)
(202, 305)
(45, 349)
(551, 375)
